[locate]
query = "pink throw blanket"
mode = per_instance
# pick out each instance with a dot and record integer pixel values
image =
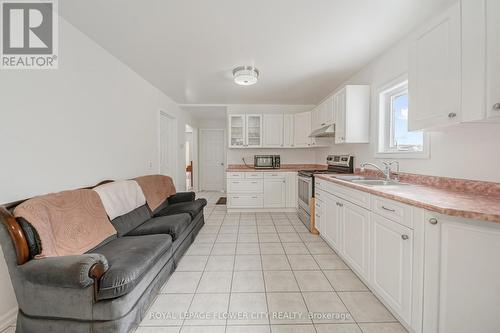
(156, 189)
(68, 222)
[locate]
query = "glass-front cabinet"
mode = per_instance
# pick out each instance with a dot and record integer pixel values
(245, 131)
(237, 131)
(254, 130)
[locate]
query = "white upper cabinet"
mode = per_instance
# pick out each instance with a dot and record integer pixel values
(237, 128)
(351, 107)
(254, 130)
(302, 129)
(493, 58)
(245, 131)
(323, 114)
(480, 60)
(434, 72)
(288, 130)
(273, 131)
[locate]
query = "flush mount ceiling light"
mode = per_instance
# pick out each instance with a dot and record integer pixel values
(245, 75)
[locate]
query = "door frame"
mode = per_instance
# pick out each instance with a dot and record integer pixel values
(173, 137)
(200, 156)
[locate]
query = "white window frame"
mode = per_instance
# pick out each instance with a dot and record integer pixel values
(384, 125)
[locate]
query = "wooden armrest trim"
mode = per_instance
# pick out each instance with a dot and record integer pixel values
(16, 234)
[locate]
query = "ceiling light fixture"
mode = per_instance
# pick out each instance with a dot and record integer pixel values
(245, 75)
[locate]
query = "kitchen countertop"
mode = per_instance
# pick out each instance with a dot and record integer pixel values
(447, 201)
(284, 168)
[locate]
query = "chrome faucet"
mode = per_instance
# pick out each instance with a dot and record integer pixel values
(386, 171)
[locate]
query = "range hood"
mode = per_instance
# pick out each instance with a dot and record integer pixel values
(324, 132)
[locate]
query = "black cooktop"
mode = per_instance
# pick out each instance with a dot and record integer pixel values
(310, 173)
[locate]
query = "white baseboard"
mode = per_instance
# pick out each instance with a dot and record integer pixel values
(8, 319)
(261, 210)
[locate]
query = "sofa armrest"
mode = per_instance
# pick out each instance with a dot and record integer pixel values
(67, 271)
(182, 197)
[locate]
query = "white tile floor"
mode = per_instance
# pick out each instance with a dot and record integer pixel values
(269, 274)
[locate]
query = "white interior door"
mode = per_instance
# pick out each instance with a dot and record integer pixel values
(212, 159)
(168, 145)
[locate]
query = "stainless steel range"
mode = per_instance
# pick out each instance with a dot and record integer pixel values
(336, 164)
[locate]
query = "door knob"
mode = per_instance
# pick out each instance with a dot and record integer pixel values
(433, 220)
(496, 107)
(452, 115)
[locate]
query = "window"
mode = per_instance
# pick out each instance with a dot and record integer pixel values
(394, 136)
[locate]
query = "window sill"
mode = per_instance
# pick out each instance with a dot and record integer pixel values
(403, 154)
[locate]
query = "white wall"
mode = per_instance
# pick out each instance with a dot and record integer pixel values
(467, 151)
(301, 156)
(89, 120)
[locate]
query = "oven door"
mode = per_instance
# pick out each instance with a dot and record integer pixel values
(305, 192)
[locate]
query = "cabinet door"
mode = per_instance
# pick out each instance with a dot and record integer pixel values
(288, 130)
(302, 129)
(253, 130)
(356, 237)
(434, 72)
(319, 214)
(274, 193)
(273, 130)
(461, 270)
(315, 118)
(328, 112)
(291, 185)
(237, 131)
(340, 115)
(392, 255)
(332, 222)
(493, 58)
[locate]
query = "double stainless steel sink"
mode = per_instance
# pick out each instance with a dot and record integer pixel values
(370, 181)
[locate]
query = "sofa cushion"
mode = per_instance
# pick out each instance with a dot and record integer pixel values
(130, 258)
(192, 208)
(125, 223)
(173, 225)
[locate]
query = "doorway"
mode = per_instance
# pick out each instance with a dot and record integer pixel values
(189, 158)
(212, 159)
(168, 145)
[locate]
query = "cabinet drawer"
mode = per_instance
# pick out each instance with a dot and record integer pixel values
(235, 175)
(392, 210)
(356, 197)
(245, 201)
(274, 175)
(254, 175)
(245, 186)
(319, 184)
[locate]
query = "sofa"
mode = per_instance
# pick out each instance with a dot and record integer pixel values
(109, 287)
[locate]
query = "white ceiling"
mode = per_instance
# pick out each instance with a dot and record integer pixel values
(303, 48)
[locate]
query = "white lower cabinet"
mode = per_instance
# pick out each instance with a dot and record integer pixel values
(245, 200)
(356, 237)
(392, 263)
(274, 193)
(261, 190)
(461, 279)
(332, 225)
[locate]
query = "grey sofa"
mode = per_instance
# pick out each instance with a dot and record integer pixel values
(109, 288)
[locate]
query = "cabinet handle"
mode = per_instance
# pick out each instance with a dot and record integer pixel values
(236, 197)
(254, 182)
(254, 197)
(389, 209)
(340, 204)
(236, 182)
(404, 237)
(323, 124)
(433, 220)
(452, 115)
(496, 107)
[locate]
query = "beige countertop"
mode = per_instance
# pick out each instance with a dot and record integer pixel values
(284, 168)
(448, 201)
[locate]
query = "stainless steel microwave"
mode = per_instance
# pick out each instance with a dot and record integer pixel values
(267, 161)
